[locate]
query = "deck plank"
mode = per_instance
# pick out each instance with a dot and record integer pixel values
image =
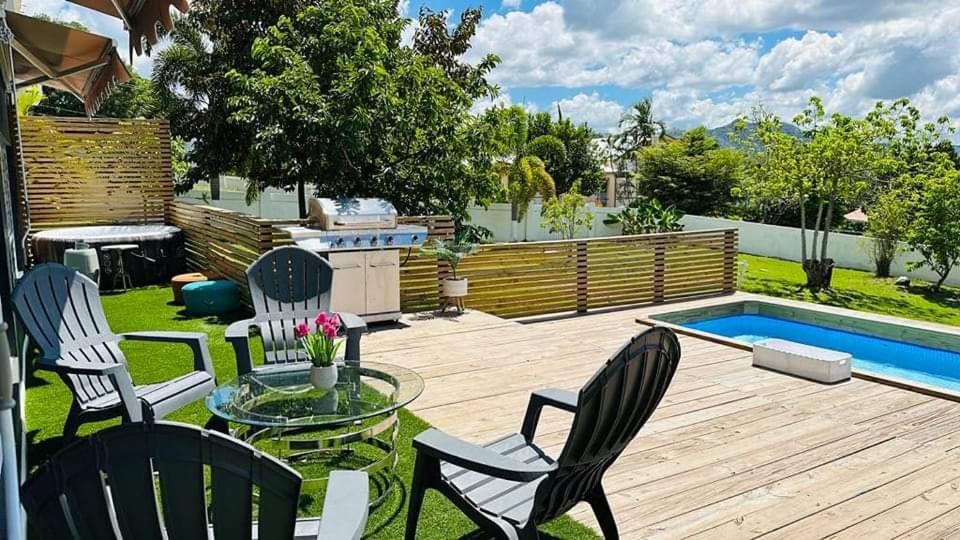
(732, 452)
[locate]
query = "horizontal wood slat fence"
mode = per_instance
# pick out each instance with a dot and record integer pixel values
(227, 242)
(508, 280)
(537, 278)
(80, 171)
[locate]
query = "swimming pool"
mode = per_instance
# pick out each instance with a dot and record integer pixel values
(903, 353)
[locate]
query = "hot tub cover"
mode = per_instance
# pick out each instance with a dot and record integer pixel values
(109, 233)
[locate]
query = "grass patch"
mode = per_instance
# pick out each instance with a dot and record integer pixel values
(853, 289)
(48, 400)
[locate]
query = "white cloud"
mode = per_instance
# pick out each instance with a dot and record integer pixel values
(602, 115)
(692, 57)
(510, 4)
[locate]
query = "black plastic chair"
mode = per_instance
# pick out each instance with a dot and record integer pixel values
(510, 486)
(148, 481)
(288, 286)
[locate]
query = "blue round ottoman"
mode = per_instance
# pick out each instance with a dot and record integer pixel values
(211, 297)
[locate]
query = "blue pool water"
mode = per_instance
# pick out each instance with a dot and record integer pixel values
(884, 357)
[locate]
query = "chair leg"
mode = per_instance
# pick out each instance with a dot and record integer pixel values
(601, 509)
(421, 470)
(72, 424)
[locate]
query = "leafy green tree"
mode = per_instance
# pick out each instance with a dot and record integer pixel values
(338, 102)
(889, 221)
(134, 99)
(935, 226)
(692, 173)
(838, 158)
(567, 214)
(638, 128)
(191, 85)
(580, 162)
(522, 159)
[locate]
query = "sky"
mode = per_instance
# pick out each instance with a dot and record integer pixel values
(703, 62)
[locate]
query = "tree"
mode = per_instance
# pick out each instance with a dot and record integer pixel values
(889, 221)
(134, 99)
(580, 162)
(191, 84)
(638, 128)
(337, 101)
(935, 227)
(692, 173)
(567, 214)
(838, 158)
(522, 160)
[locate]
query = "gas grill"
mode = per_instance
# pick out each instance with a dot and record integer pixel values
(362, 241)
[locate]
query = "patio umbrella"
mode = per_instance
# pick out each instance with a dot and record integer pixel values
(139, 16)
(84, 64)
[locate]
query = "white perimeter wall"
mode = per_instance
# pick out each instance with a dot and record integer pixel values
(847, 250)
(497, 219)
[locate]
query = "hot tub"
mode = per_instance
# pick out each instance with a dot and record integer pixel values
(161, 245)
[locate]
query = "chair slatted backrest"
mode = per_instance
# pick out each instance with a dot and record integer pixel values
(61, 311)
(612, 407)
(154, 479)
(288, 286)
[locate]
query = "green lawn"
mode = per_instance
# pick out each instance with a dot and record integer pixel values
(149, 309)
(853, 289)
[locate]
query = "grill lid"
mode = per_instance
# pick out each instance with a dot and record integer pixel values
(332, 215)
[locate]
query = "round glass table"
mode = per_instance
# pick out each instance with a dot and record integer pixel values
(352, 426)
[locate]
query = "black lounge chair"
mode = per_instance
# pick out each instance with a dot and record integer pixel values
(61, 311)
(288, 286)
(147, 480)
(510, 486)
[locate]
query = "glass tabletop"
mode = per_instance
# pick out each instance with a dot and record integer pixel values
(283, 397)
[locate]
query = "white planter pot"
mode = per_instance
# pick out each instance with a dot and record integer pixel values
(323, 377)
(455, 288)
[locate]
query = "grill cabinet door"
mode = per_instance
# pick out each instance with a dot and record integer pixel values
(349, 282)
(383, 281)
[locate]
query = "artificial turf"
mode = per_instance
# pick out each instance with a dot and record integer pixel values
(48, 400)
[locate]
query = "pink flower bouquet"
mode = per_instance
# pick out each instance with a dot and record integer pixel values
(321, 343)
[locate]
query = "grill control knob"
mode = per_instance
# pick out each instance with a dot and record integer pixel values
(356, 241)
(414, 238)
(373, 241)
(389, 241)
(340, 242)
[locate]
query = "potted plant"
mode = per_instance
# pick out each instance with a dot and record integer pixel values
(321, 346)
(453, 252)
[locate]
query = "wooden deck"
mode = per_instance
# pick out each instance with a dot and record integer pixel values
(732, 452)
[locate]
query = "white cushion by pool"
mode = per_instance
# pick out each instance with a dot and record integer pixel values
(821, 365)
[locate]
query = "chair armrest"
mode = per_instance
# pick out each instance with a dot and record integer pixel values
(197, 341)
(345, 506)
(355, 327)
(83, 368)
(117, 373)
(238, 335)
(439, 445)
(564, 400)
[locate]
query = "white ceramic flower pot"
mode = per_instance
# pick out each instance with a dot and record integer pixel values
(323, 377)
(455, 288)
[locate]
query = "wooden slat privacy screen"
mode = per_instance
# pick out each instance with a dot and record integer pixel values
(82, 172)
(536, 278)
(227, 242)
(508, 280)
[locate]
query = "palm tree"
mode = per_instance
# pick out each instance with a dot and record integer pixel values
(638, 128)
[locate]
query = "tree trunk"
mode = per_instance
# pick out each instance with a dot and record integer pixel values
(816, 230)
(803, 229)
(826, 231)
(302, 198)
(939, 283)
(819, 274)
